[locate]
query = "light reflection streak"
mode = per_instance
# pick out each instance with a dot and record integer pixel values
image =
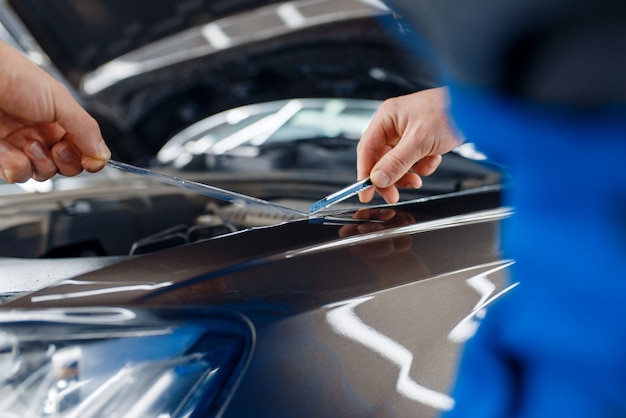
(345, 322)
(91, 315)
(258, 132)
(376, 3)
(216, 37)
(427, 226)
(95, 292)
(290, 15)
(152, 395)
(468, 326)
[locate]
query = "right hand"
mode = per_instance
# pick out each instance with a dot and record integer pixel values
(405, 140)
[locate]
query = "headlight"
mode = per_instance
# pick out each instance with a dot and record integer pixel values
(116, 362)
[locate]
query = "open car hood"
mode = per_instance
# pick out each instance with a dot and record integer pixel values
(146, 70)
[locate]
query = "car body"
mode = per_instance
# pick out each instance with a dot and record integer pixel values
(126, 297)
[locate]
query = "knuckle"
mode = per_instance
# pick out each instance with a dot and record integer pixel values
(395, 164)
(389, 104)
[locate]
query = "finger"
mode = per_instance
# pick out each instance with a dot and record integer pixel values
(380, 136)
(390, 194)
(66, 158)
(370, 150)
(48, 133)
(367, 195)
(410, 181)
(15, 165)
(395, 164)
(42, 165)
(82, 130)
(427, 165)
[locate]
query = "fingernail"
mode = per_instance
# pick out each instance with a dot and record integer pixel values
(65, 153)
(103, 151)
(92, 164)
(415, 184)
(380, 178)
(35, 149)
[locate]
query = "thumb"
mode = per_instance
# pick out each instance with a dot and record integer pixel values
(395, 164)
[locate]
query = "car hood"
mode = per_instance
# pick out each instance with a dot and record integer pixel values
(343, 248)
(397, 288)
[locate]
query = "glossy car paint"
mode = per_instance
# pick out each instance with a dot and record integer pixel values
(351, 319)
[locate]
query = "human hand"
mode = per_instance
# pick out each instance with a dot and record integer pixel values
(405, 140)
(43, 130)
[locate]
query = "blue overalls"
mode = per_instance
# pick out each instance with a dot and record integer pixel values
(556, 345)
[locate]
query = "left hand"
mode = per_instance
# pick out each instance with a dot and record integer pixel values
(43, 130)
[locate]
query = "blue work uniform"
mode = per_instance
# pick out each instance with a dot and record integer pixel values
(555, 346)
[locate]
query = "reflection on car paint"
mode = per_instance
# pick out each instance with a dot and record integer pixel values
(468, 326)
(449, 222)
(345, 322)
(87, 293)
(88, 315)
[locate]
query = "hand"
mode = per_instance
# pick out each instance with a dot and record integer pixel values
(405, 140)
(43, 130)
